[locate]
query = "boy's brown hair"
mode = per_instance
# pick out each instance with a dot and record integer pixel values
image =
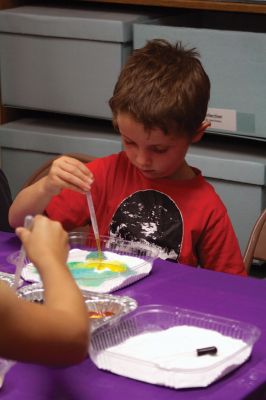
(163, 85)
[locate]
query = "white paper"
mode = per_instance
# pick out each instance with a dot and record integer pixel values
(222, 119)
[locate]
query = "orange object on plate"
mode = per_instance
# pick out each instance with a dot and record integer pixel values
(103, 314)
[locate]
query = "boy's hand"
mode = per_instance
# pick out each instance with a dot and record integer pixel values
(46, 244)
(67, 173)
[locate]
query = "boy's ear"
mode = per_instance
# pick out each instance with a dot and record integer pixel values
(200, 131)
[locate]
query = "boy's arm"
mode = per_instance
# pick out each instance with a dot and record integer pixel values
(65, 172)
(55, 332)
(30, 201)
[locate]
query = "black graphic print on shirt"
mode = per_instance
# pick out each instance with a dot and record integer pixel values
(149, 216)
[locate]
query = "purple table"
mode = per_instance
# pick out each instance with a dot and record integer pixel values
(171, 284)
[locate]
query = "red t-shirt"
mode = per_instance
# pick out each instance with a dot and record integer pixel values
(186, 220)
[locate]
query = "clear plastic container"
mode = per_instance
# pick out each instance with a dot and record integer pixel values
(122, 262)
(107, 341)
(86, 241)
(83, 240)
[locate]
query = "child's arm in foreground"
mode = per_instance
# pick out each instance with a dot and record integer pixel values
(65, 172)
(55, 332)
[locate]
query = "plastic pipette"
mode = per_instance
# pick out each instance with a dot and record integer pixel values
(94, 223)
(22, 254)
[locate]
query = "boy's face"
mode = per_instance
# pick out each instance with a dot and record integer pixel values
(155, 154)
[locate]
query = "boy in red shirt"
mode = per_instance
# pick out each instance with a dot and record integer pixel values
(148, 193)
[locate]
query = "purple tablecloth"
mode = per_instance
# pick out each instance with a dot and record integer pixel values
(230, 296)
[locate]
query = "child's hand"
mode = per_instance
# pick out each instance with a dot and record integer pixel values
(46, 244)
(70, 173)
